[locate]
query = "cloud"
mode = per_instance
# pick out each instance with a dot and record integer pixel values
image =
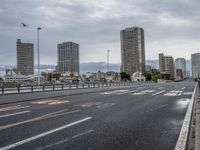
(170, 26)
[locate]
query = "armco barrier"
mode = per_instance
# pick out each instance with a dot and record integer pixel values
(58, 87)
(184, 134)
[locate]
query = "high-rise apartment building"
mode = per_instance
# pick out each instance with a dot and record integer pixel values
(195, 58)
(25, 58)
(180, 63)
(132, 50)
(68, 57)
(166, 65)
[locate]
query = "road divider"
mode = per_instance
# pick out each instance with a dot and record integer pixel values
(183, 136)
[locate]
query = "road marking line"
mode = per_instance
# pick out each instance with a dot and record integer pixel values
(18, 113)
(66, 140)
(158, 92)
(47, 116)
(163, 106)
(13, 108)
(183, 88)
(127, 92)
(44, 134)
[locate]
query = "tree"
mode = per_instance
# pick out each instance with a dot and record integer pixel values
(156, 76)
(124, 76)
(165, 76)
(148, 76)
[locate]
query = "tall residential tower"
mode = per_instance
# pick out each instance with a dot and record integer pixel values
(180, 64)
(195, 58)
(25, 58)
(132, 50)
(166, 65)
(68, 57)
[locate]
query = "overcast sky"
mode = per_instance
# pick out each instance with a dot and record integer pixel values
(171, 26)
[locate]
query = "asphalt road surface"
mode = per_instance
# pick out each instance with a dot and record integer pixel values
(140, 117)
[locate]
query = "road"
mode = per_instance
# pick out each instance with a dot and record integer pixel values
(138, 117)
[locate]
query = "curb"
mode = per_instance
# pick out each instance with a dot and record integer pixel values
(183, 136)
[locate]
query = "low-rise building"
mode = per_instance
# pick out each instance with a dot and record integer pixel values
(137, 77)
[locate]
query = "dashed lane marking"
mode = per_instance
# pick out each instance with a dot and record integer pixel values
(158, 92)
(46, 116)
(14, 114)
(114, 92)
(50, 102)
(66, 140)
(144, 92)
(44, 134)
(127, 92)
(174, 93)
(16, 107)
(187, 93)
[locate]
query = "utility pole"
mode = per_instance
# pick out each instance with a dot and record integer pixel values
(108, 51)
(38, 44)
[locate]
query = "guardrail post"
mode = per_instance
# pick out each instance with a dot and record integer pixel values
(31, 88)
(70, 86)
(43, 88)
(83, 85)
(62, 86)
(2, 89)
(53, 87)
(18, 88)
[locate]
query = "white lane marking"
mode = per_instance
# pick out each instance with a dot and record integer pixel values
(158, 92)
(114, 92)
(144, 92)
(66, 140)
(174, 93)
(161, 88)
(127, 92)
(183, 88)
(44, 134)
(18, 113)
(162, 106)
(187, 93)
(106, 105)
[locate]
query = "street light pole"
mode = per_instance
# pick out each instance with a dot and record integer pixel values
(108, 60)
(38, 46)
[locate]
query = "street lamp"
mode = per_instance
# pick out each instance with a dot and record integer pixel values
(108, 60)
(38, 44)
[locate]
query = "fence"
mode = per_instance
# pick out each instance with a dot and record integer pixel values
(57, 87)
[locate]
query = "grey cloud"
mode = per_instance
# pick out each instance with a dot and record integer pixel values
(95, 25)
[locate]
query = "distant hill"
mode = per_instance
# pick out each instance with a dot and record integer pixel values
(91, 66)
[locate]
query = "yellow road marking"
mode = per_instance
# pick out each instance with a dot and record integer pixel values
(50, 102)
(13, 108)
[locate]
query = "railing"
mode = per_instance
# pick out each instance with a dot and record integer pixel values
(58, 87)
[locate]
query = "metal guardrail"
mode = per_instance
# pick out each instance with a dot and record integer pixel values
(183, 138)
(58, 87)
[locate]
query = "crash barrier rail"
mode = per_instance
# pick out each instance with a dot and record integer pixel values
(184, 139)
(58, 87)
